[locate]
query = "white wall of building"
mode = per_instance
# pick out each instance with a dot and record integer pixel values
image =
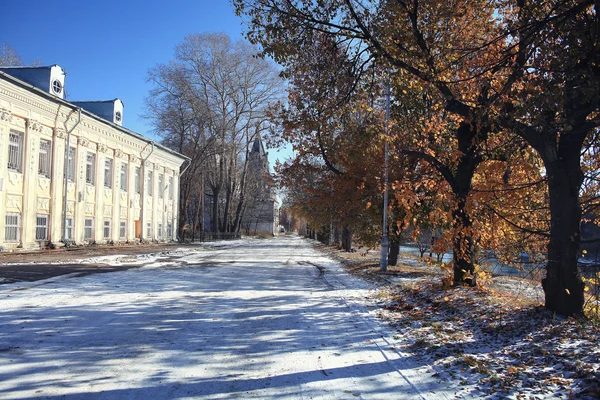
(35, 127)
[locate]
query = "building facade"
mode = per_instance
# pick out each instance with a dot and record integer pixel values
(262, 213)
(69, 171)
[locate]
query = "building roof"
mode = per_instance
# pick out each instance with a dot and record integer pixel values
(48, 96)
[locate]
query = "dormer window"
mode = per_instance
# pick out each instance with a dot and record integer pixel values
(118, 116)
(57, 87)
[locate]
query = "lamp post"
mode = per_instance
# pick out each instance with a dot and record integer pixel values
(385, 240)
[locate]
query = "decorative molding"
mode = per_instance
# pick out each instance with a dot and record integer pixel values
(108, 211)
(123, 196)
(35, 125)
(118, 153)
(134, 159)
(71, 187)
(19, 122)
(43, 203)
(123, 212)
(5, 115)
(107, 193)
(90, 190)
(43, 183)
(84, 142)
(15, 178)
(89, 209)
(102, 148)
(14, 201)
(70, 207)
(158, 167)
(61, 134)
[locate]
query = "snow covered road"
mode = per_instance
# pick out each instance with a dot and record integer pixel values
(247, 319)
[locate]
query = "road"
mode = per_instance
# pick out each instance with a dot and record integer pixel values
(258, 319)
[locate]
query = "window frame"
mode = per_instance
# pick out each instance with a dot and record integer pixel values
(69, 228)
(124, 176)
(123, 229)
(106, 228)
(45, 158)
(90, 168)
(161, 185)
(138, 180)
(41, 229)
(16, 226)
(72, 167)
(150, 183)
(15, 151)
(89, 228)
(108, 173)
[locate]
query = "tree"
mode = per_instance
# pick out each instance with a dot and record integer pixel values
(413, 40)
(478, 58)
(209, 103)
(9, 56)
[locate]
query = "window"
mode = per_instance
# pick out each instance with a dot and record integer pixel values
(41, 227)
(118, 116)
(124, 177)
(123, 229)
(169, 230)
(138, 183)
(149, 230)
(106, 229)
(88, 229)
(90, 168)
(71, 169)
(57, 87)
(69, 228)
(161, 185)
(108, 172)
(171, 189)
(12, 227)
(44, 158)
(150, 179)
(159, 230)
(15, 151)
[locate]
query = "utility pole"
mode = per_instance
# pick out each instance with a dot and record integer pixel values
(385, 240)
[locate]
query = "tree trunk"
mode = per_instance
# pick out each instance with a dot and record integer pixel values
(563, 288)
(393, 252)
(347, 239)
(462, 247)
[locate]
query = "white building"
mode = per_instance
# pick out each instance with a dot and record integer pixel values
(121, 186)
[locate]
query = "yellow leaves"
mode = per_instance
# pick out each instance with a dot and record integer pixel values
(568, 291)
(369, 205)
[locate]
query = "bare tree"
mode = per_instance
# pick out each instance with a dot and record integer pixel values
(209, 103)
(9, 56)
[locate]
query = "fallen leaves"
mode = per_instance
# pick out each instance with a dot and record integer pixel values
(487, 342)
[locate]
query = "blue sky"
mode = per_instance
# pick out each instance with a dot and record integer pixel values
(107, 47)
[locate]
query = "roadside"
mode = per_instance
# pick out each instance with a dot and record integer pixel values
(29, 266)
(496, 341)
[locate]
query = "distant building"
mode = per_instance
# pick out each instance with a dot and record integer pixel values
(120, 185)
(262, 212)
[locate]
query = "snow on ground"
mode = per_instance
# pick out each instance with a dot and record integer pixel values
(280, 319)
(493, 342)
(247, 319)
